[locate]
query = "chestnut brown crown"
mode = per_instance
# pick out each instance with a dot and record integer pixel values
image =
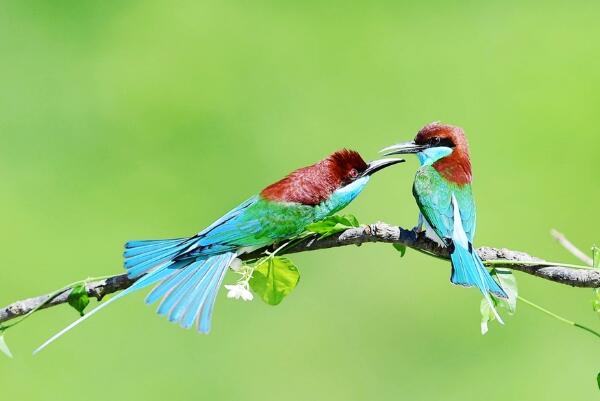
(438, 134)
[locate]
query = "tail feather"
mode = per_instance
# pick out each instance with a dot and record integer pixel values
(169, 283)
(203, 296)
(189, 298)
(143, 256)
(468, 270)
(145, 281)
(199, 286)
(178, 292)
(188, 286)
(134, 248)
(204, 319)
(146, 255)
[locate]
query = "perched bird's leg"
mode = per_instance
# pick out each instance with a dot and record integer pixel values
(418, 229)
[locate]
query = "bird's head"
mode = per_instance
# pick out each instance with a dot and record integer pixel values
(442, 146)
(314, 184)
(348, 166)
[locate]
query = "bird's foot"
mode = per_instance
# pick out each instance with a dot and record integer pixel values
(418, 229)
(417, 232)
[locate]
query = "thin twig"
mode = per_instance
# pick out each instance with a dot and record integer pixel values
(558, 317)
(569, 246)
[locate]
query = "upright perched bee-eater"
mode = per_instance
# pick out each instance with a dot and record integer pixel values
(442, 189)
(189, 271)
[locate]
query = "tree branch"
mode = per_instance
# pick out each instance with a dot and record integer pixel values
(378, 232)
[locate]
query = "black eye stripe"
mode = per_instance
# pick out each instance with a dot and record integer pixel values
(447, 142)
(437, 141)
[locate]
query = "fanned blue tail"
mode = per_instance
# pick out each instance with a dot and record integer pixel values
(188, 295)
(468, 270)
(188, 286)
(143, 256)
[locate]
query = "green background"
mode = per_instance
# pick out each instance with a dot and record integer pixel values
(145, 119)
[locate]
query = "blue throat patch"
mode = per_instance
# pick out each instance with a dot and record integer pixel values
(341, 198)
(432, 155)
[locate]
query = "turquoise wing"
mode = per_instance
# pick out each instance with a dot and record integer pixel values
(433, 194)
(261, 223)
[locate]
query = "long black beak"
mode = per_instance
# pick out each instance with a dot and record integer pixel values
(380, 164)
(403, 148)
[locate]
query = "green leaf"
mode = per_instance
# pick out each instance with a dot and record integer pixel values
(598, 380)
(400, 248)
(352, 220)
(509, 283)
(4, 347)
(78, 298)
(333, 224)
(274, 279)
(596, 256)
(486, 315)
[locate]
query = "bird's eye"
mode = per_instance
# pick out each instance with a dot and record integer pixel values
(435, 141)
(353, 173)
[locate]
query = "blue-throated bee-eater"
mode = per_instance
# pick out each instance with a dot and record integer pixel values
(442, 189)
(188, 272)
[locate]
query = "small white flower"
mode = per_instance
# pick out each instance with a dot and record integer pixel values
(236, 264)
(238, 291)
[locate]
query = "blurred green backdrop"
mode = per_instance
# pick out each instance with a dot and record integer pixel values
(149, 119)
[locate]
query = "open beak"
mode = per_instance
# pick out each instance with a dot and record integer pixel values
(380, 164)
(403, 148)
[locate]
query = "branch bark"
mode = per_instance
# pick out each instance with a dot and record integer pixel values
(378, 232)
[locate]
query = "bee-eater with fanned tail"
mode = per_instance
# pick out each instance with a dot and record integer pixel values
(442, 188)
(188, 272)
